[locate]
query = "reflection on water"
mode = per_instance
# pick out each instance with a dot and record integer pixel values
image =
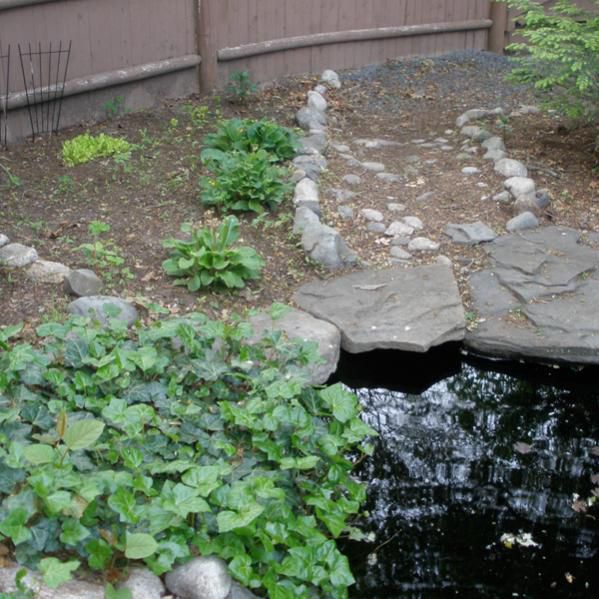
(446, 482)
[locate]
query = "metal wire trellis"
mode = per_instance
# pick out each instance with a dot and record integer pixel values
(4, 83)
(44, 76)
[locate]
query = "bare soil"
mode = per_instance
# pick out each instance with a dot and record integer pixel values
(147, 198)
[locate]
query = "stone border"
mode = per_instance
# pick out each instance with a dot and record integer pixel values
(520, 190)
(322, 243)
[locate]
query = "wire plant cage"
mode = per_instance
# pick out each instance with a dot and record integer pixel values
(4, 85)
(44, 72)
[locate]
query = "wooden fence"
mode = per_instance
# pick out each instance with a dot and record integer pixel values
(145, 50)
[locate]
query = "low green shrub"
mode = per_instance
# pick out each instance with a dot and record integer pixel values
(155, 444)
(208, 258)
(246, 135)
(87, 147)
(560, 56)
(240, 86)
(243, 181)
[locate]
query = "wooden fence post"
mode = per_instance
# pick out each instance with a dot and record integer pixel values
(207, 45)
(499, 16)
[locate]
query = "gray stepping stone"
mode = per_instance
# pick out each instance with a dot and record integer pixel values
(403, 309)
(470, 233)
(16, 255)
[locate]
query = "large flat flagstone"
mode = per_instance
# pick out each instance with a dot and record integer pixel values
(539, 298)
(404, 309)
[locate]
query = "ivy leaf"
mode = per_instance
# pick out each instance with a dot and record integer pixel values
(228, 520)
(73, 532)
(99, 552)
(140, 545)
(83, 433)
(341, 402)
(38, 454)
(15, 526)
(56, 572)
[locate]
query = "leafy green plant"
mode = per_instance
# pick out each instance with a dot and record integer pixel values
(13, 180)
(243, 181)
(208, 258)
(104, 256)
(560, 56)
(87, 147)
(240, 86)
(247, 135)
(198, 115)
(121, 446)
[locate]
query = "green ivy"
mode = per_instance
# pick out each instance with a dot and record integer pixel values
(243, 181)
(156, 444)
(560, 56)
(246, 135)
(87, 147)
(208, 258)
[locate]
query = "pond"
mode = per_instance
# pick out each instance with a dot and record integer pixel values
(469, 451)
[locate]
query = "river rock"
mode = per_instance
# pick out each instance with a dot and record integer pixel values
(550, 280)
(470, 233)
(309, 118)
(96, 306)
(494, 155)
(372, 215)
(352, 179)
(306, 194)
(83, 282)
(389, 177)
(330, 79)
(397, 228)
(376, 144)
(525, 220)
(304, 216)
(345, 212)
(403, 309)
(423, 244)
(317, 101)
(396, 207)
(470, 115)
(313, 144)
(470, 170)
(325, 245)
(503, 197)
(518, 186)
(313, 165)
(342, 195)
(3, 240)
(414, 222)
(376, 227)
(543, 198)
(201, 578)
(73, 589)
(526, 203)
(494, 143)
(45, 271)
(143, 584)
(341, 148)
(238, 592)
(16, 255)
(297, 324)
(399, 254)
(475, 133)
(510, 168)
(376, 167)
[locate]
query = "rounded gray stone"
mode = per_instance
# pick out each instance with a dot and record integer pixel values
(413, 221)
(345, 212)
(201, 578)
(398, 228)
(503, 197)
(494, 143)
(341, 148)
(510, 168)
(143, 584)
(309, 118)
(470, 170)
(376, 167)
(304, 217)
(389, 177)
(96, 306)
(518, 186)
(297, 324)
(3, 240)
(352, 179)
(399, 254)
(83, 282)
(376, 227)
(526, 220)
(372, 215)
(423, 244)
(495, 155)
(331, 79)
(16, 255)
(45, 271)
(396, 207)
(317, 101)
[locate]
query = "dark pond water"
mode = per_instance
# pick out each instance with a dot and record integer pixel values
(447, 479)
